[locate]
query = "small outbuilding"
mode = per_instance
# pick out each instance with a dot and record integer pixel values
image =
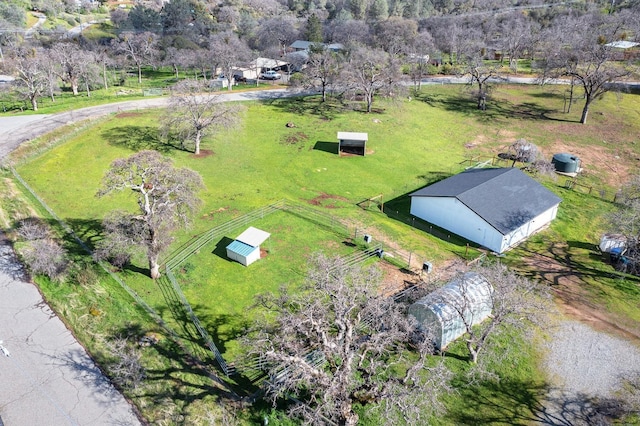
(352, 143)
(495, 208)
(246, 248)
(465, 300)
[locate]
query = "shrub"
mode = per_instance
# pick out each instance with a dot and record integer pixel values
(126, 368)
(45, 257)
(33, 229)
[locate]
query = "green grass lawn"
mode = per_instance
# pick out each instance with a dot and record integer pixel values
(411, 143)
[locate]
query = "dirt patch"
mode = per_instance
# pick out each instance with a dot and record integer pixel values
(128, 114)
(573, 300)
(213, 213)
(618, 164)
(263, 253)
(395, 279)
(326, 200)
(203, 153)
(294, 138)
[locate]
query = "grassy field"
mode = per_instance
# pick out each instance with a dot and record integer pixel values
(411, 143)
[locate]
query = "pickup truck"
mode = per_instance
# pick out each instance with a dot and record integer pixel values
(270, 75)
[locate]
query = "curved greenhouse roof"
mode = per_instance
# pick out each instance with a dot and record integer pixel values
(446, 311)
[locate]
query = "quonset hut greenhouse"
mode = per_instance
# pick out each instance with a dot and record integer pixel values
(444, 312)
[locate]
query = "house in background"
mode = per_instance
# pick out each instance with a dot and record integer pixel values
(495, 208)
(305, 46)
(257, 67)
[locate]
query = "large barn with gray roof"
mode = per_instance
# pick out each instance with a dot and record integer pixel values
(495, 208)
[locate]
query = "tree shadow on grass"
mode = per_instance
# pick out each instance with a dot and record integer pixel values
(516, 402)
(186, 379)
(138, 138)
(310, 105)
(221, 328)
(497, 109)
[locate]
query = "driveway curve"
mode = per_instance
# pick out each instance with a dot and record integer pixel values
(19, 129)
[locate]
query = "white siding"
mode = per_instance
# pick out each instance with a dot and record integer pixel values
(528, 229)
(451, 214)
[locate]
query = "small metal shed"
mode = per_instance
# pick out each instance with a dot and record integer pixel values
(246, 248)
(352, 143)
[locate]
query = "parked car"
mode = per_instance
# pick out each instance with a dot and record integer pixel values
(271, 75)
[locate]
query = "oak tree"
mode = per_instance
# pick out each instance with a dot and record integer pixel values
(195, 111)
(336, 342)
(166, 198)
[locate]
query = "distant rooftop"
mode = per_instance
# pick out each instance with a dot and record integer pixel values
(622, 44)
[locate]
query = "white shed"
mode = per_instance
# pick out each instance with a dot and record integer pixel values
(352, 142)
(246, 248)
(444, 312)
(495, 208)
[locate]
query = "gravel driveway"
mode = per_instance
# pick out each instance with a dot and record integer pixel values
(586, 368)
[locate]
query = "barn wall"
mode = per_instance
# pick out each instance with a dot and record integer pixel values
(528, 229)
(449, 213)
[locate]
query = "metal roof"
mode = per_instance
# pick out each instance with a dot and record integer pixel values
(353, 136)
(253, 236)
(622, 44)
(241, 248)
(506, 198)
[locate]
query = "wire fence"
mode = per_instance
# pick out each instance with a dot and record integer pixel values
(105, 267)
(179, 256)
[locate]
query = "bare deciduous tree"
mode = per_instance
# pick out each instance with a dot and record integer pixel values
(195, 112)
(336, 342)
(139, 48)
(71, 60)
(587, 57)
(126, 366)
(33, 229)
(45, 257)
(228, 52)
(368, 72)
(166, 197)
(323, 69)
(31, 76)
(626, 221)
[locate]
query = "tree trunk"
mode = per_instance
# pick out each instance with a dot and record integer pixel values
(34, 103)
(74, 86)
(104, 76)
(175, 69)
(585, 110)
(369, 101)
(154, 267)
(324, 92)
(139, 74)
(198, 138)
(473, 353)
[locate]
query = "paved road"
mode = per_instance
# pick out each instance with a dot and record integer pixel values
(48, 379)
(18, 129)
